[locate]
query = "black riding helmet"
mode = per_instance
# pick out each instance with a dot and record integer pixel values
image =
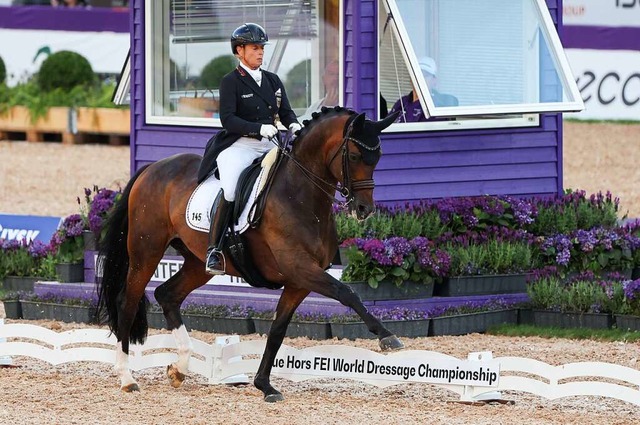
(248, 34)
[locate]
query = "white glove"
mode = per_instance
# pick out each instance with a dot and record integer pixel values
(268, 131)
(294, 126)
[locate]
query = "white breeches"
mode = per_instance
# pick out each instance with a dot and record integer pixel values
(233, 160)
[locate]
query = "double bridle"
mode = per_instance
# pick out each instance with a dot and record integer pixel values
(348, 187)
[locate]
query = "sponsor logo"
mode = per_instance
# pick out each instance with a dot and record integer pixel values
(18, 234)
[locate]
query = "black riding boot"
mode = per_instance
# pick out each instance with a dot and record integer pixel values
(219, 223)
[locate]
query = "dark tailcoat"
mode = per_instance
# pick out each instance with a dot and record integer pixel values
(244, 108)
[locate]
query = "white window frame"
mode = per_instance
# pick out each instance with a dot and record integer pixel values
(529, 111)
(153, 73)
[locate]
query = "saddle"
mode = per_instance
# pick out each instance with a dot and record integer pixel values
(239, 256)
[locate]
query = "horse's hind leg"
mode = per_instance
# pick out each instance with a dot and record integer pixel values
(170, 296)
(132, 318)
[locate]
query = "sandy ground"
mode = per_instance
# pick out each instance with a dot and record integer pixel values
(36, 392)
(47, 178)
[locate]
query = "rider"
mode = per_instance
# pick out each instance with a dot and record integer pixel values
(252, 102)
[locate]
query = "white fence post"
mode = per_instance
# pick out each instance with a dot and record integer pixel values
(4, 360)
(217, 362)
(467, 395)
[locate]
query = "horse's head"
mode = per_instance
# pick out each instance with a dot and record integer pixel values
(360, 153)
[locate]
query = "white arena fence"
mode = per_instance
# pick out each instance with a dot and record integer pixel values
(478, 378)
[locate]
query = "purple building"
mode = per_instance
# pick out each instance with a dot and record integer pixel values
(501, 59)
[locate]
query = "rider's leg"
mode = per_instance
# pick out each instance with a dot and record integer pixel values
(223, 210)
(231, 162)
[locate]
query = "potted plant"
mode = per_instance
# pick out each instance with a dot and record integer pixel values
(69, 245)
(394, 268)
(309, 325)
(598, 249)
(219, 318)
(94, 210)
(585, 300)
(51, 306)
(20, 263)
(494, 261)
(12, 305)
(403, 322)
(471, 316)
(628, 314)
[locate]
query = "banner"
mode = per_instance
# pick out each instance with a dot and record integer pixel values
(28, 227)
(609, 82)
(602, 13)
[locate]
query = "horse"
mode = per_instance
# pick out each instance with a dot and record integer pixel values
(293, 245)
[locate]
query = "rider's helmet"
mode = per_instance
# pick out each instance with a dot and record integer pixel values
(248, 34)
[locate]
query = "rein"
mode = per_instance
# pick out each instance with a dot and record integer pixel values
(348, 186)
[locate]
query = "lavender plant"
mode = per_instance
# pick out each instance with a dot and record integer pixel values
(396, 259)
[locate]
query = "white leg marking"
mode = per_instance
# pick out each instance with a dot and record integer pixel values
(122, 367)
(185, 348)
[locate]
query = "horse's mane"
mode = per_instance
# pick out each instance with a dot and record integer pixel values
(324, 113)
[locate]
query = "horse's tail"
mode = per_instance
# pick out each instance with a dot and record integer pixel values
(113, 261)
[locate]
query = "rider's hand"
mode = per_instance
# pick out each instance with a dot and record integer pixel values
(268, 131)
(294, 126)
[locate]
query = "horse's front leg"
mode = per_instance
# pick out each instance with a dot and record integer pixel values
(287, 305)
(324, 284)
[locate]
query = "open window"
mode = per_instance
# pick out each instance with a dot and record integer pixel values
(188, 52)
(472, 63)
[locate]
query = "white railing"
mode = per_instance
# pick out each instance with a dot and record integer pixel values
(228, 361)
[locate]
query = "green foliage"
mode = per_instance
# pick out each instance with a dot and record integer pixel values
(575, 211)
(576, 333)
(71, 250)
(47, 268)
(38, 102)
(17, 262)
(492, 257)
(578, 296)
(65, 70)
(296, 83)
(348, 227)
(3, 72)
(217, 68)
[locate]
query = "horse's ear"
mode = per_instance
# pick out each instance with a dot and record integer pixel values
(389, 119)
(358, 122)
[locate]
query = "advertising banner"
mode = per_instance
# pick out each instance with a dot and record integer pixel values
(609, 82)
(603, 13)
(28, 227)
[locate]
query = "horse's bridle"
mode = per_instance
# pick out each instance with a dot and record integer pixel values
(348, 187)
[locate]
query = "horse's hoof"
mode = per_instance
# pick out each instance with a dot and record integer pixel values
(130, 388)
(176, 378)
(272, 398)
(391, 343)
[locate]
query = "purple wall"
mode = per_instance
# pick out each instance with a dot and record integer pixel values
(522, 161)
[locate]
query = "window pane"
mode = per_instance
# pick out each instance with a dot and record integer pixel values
(191, 50)
(476, 56)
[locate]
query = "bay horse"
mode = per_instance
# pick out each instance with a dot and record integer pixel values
(292, 246)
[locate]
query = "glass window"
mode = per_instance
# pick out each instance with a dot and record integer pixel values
(188, 52)
(460, 62)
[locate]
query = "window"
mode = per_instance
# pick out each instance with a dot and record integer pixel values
(473, 63)
(188, 52)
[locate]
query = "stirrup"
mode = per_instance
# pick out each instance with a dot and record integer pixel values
(219, 268)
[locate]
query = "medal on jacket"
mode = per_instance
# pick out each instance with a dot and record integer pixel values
(276, 116)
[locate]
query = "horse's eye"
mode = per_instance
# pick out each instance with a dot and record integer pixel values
(354, 157)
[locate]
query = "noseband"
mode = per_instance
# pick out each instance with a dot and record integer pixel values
(349, 186)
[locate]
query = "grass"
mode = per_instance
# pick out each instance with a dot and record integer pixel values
(606, 335)
(595, 121)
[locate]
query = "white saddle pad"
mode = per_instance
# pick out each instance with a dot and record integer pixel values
(201, 200)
